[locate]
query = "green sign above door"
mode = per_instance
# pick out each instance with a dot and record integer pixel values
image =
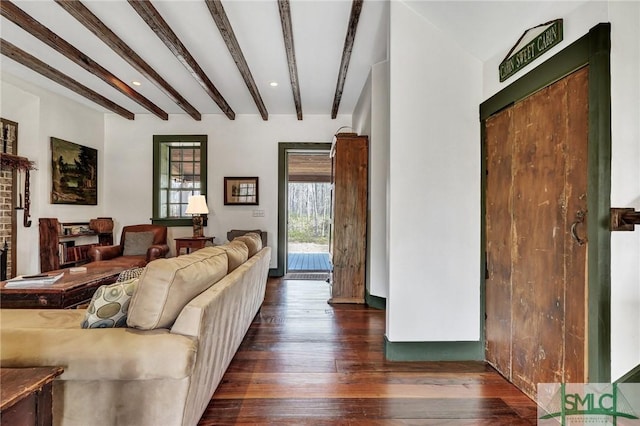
(514, 62)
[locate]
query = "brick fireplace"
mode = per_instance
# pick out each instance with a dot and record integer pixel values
(8, 191)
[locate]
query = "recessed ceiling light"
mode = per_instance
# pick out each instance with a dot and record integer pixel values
(136, 83)
(273, 84)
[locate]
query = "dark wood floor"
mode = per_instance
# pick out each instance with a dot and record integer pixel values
(305, 362)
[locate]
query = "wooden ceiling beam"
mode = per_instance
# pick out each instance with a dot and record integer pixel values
(356, 8)
(160, 27)
(96, 26)
(224, 26)
(16, 15)
(287, 34)
(11, 51)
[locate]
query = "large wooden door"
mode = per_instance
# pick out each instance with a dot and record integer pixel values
(536, 189)
(348, 247)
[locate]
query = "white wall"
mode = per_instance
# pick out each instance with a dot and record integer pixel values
(246, 146)
(575, 25)
(41, 115)
(434, 156)
(625, 166)
(371, 117)
(625, 184)
(361, 116)
(378, 269)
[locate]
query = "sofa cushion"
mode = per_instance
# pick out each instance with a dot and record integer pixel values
(137, 243)
(237, 252)
(167, 285)
(41, 318)
(109, 305)
(91, 356)
(253, 242)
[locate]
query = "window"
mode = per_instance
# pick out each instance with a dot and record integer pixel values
(179, 170)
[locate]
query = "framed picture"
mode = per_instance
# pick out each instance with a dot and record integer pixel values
(240, 191)
(74, 173)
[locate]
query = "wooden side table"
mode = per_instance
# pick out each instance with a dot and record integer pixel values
(26, 395)
(191, 244)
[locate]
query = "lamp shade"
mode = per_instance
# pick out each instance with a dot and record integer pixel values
(197, 205)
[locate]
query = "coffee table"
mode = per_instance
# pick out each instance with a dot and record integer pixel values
(71, 290)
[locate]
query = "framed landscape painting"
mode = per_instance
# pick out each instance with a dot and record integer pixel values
(74, 173)
(241, 191)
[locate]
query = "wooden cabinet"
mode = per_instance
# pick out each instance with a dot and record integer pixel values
(348, 245)
(65, 244)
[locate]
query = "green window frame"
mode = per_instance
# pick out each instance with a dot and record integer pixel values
(179, 170)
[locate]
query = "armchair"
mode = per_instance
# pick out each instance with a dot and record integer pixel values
(139, 245)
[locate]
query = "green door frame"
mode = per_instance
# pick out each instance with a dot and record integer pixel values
(593, 49)
(283, 150)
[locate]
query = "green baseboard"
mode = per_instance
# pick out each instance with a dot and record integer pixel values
(632, 376)
(375, 302)
(434, 351)
(274, 272)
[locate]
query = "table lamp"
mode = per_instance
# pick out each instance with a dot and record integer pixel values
(197, 207)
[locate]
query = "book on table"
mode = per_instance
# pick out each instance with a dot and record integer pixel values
(39, 280)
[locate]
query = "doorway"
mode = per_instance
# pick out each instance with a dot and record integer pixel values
(304, 174)
(308, 211)
(508, 332)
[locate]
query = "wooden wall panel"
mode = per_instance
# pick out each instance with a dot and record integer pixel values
(499, 193)
(538, 269)
(575, 254)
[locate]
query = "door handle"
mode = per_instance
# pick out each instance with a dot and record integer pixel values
(580, 216)
(486, 266)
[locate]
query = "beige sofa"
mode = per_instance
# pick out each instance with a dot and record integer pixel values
(186, 319)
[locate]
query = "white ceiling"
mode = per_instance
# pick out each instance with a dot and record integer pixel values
(319, 27)
(487, 28)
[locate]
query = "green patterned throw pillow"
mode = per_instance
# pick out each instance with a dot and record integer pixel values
(109, 305)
